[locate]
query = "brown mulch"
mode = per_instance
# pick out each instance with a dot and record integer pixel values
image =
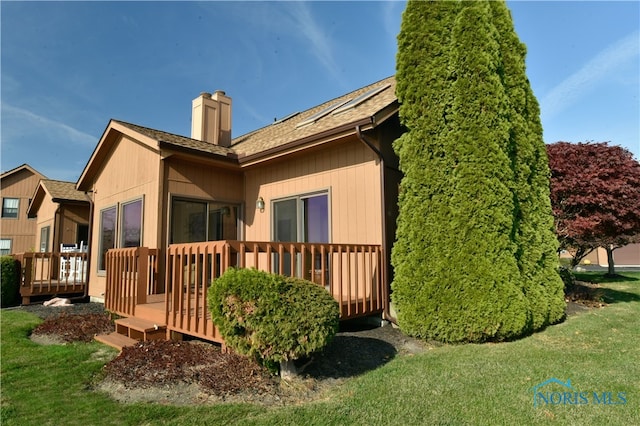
(163, 363)
(586, 294)
(75, 328)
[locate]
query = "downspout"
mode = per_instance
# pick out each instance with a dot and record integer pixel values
(89, 243)
(383, 210)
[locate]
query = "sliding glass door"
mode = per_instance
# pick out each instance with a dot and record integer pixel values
(195, 221)
(303, 218)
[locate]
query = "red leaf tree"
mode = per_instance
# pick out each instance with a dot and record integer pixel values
(595, 195)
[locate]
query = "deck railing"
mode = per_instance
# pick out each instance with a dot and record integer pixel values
(352, 273)
(131, 277)
(49, 274)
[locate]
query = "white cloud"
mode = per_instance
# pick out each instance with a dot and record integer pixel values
(391, 17)
(291, 19)
(321, 44)
(18, 121)
(600, 66)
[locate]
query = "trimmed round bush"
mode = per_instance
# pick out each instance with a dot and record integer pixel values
(271, 317)
(9, 281)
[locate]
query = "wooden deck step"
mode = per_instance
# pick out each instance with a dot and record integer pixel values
(116, 340)
(141, 329)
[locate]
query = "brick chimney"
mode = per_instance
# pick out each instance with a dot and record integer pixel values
(211, 118)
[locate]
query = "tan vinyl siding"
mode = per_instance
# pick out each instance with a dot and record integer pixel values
(46, 215)
(72, 216)
(21, 230)
(349, 172)
(132, 174)
(624, 256)
(204, 182)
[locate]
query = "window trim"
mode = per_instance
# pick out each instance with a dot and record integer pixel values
(299, 223)
(48, 233)
(101, 267)
(120, 221)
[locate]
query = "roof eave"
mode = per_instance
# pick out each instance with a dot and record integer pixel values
(36, 200)
(230, 157)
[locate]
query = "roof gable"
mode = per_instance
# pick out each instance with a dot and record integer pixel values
(22, 168)
(59, 192)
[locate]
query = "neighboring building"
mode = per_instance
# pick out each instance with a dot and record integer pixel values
(325, 175)
(17, 231)
(62, 216)
(628, 255)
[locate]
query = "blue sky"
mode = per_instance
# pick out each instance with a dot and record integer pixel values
(67, 68)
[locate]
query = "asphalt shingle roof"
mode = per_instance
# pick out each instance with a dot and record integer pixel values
(286, 130)
(60, 190)
(177, 140)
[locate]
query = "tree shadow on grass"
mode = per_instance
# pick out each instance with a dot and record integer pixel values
(603, 278)
(349, 356)
(589, 294)
(616, 296)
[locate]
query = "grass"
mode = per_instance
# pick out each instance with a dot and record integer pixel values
(597, 350)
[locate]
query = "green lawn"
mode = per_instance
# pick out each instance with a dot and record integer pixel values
(598, 350)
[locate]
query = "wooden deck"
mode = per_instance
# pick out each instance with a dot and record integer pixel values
(176, 303)
(52, 274)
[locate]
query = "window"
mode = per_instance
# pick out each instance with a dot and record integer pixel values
(303, 218)
(5, 246)
(131, 228)
(44, 238)
(107, 234)
(194, 221)
(10, 207)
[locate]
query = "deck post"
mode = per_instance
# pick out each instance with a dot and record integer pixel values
(143, 272)
(26, 267)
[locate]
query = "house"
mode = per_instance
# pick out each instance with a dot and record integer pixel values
(626, 256)
(313, 194)
(57, 266)
(62, 215)
(18, 231)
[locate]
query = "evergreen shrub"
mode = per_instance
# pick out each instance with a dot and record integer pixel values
(475, 252)
(271, 317)
(9, 281)
(568, 279)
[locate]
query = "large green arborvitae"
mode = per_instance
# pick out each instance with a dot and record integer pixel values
(535, 235)
(464, 270)
(425, 186)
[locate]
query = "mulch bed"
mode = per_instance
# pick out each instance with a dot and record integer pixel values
(163, 363)
(76, 327)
